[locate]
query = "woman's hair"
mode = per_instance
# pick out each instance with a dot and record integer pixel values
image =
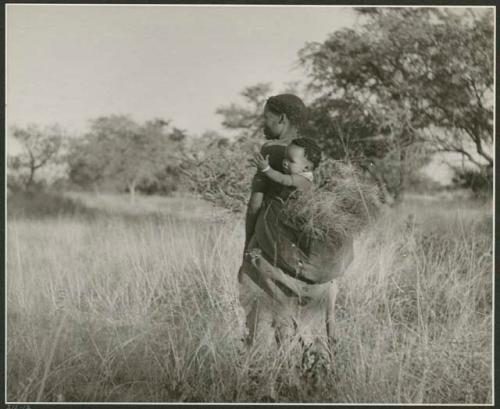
(311, 150)
(290, 105)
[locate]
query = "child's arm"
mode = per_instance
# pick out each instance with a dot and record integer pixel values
(263, 166)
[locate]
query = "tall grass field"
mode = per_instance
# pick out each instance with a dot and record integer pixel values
(142, 306)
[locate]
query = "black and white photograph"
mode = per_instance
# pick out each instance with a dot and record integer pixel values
(249, 204)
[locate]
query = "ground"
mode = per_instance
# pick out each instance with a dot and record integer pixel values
(139, 303)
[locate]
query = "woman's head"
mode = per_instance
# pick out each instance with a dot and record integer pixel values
(281, 112)
(302, 155)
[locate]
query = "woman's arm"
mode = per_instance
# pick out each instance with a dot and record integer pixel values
(253, 208)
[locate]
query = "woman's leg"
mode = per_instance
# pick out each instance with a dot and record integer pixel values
(330, 310)
(252, 319)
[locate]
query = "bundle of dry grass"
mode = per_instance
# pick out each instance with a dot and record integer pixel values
(339, 206)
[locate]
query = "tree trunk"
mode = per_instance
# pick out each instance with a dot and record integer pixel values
(399, 190)
(131, 189)
(31, 178)
(387, 196)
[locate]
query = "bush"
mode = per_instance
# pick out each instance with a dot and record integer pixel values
(164, 183)
(40, 203)
(222, 174)
(479, 181)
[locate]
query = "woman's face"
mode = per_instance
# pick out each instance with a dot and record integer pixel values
(273, 124)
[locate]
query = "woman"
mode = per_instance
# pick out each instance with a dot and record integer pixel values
(285, 274)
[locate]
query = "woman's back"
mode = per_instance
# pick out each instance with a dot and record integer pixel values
(297, 254)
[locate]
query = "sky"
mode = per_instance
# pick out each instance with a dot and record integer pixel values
(67, 64)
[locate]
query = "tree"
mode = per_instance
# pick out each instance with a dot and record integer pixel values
(120, 153)
(40, 148)
(165, 169)
(403, 77)
(86, 165)
(247, 119)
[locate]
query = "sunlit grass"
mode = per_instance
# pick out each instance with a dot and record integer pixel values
(112, 308)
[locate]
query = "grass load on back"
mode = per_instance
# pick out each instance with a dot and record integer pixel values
(339, 205)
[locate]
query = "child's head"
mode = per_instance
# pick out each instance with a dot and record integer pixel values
(302, 155)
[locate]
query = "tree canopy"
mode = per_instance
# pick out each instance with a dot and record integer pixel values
(119, 152)
(39, 147)
(403, 77)
(246, 118)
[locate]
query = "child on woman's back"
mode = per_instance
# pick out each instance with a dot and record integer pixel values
(302, 157)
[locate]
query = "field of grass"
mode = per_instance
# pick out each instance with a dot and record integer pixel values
(109, 307)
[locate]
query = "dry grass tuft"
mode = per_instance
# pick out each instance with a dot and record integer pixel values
(340, 205)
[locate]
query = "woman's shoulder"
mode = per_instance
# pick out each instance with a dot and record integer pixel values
(274, 149)
(273, 146)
